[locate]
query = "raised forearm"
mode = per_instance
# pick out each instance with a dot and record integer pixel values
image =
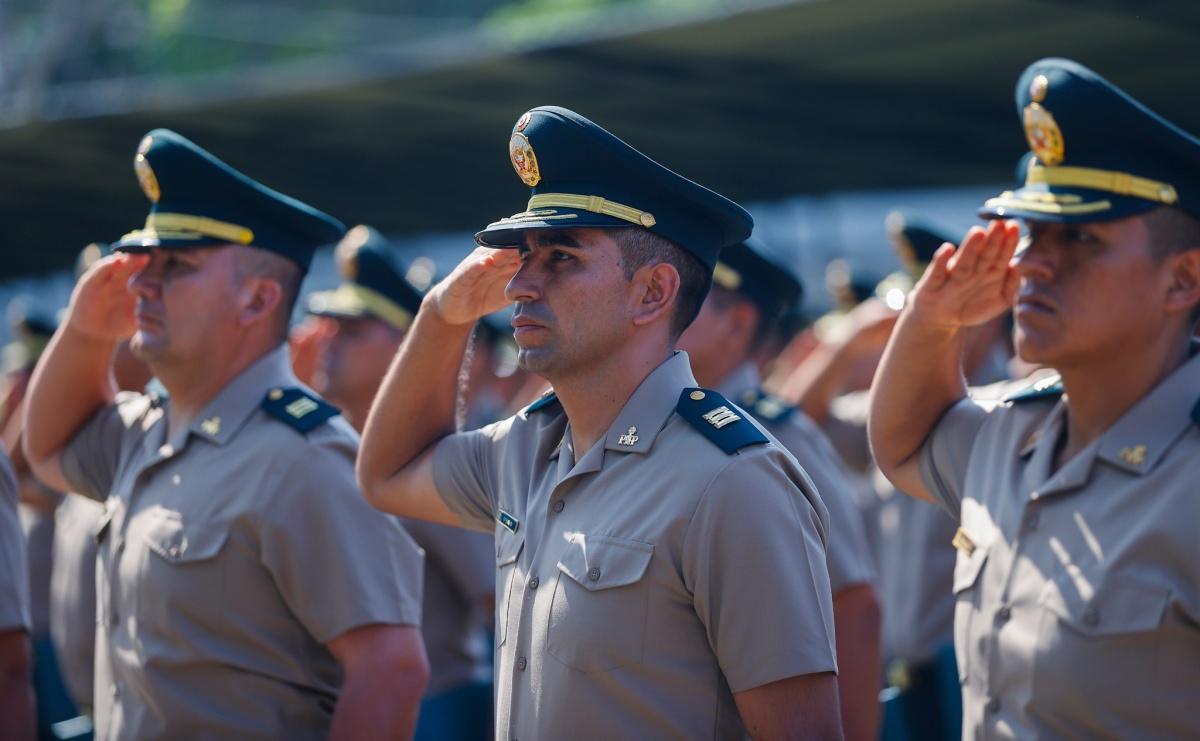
(919, 378)
(415, 405)
(70, 383)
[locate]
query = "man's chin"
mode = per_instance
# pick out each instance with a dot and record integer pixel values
(146, 347)
(537, 360)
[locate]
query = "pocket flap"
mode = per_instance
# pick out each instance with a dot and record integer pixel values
(968, 567)
(508, 548)
(601, 562)
(170, 538)
(1118, 606)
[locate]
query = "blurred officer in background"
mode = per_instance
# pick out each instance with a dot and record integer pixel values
(1077, 586)
(370, 312)
(725, 343)
(17, 715)
(243, 588)
(661, 561)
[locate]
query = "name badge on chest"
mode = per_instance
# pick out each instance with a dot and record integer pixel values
(508, 521)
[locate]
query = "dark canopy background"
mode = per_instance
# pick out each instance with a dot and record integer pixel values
(795, 98)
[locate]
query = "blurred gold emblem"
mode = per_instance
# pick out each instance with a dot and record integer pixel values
(1038, 87)
(523, 121)
(345, 255)
(145, 176)
(524, 161)
(1043, 135)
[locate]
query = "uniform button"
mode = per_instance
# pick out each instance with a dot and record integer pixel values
(1003, 614)
(993, 705)
(521, 664)
(1091, 617)
(533, 583)
(594, 574)
(558, 506)
(174, 551)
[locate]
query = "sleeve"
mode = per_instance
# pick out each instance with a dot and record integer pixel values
(338, 562)
(846, 428)
(91, 457)
(946, 453)
(757, 538)
(468, 558)
(465, 473)
(14, 569)
(848, 556)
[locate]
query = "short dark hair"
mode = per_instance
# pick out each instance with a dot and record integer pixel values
(764, 328)
(1173, 230)
(640, 247)
(263, 264)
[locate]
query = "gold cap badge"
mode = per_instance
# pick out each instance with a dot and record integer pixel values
(1044, 137)
(524, 161)
(145, 173)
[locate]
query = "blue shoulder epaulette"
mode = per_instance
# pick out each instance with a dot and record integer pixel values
(297, 408)
(767, 407)
(547, 399)
(1047, 388)
(718, 420)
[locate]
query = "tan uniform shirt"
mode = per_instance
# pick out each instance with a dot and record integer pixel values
(460, 576)
(848, 556)
(73, 593)
(14, 570)
(229, 555)
(1078, 590)
(639, 588)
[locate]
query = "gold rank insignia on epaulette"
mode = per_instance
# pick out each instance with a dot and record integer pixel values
(963, 542)
(297, 408)
(1049, 387)
(718, 420)
(766, 407)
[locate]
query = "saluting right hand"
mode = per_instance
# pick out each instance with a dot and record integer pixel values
(972, 284)
(102, 305)
(476, 286)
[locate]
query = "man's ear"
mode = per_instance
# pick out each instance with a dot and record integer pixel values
(259, 298)
(656, 288)
(1183, 290)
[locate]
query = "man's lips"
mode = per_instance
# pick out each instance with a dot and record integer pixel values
(525, 324)
(1033, 302)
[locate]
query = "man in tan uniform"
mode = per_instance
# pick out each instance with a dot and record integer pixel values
(17, 719)
(725, 344)
(370, 312)
(243, 590)
(661, 560)
(1077, 583)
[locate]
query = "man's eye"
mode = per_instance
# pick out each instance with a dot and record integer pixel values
(1079, 235)
(561, 256)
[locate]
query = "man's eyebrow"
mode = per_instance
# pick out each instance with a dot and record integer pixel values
(555, 239)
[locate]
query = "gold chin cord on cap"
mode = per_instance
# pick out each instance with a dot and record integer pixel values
(187, 226)
(595, 204)
(1119, 183)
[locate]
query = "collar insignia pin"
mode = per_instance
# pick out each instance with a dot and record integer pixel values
(1134, 456)
(629, 438)
(211, 426)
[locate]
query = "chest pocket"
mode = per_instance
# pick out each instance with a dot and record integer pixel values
(1113, 634)
(181, 579)
(967, 586)
(597, 618)
(508, 551)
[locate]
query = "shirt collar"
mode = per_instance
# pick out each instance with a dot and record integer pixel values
(232, 406)
(744, 378)
(1140, 438)
(647, 411)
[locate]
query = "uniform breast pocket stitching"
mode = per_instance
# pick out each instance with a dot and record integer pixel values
(1119, 606)
(599, 562)
(175, 542)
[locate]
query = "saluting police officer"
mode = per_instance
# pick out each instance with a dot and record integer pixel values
(1078, 590)
(371, 310)
(243, 588)
(660, 559)
(750, 293)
